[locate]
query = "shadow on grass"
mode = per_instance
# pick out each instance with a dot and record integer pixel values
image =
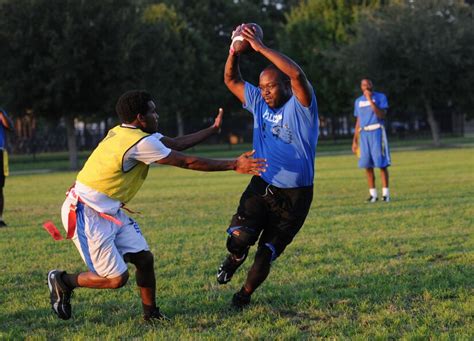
(411, 291)
(323, 299)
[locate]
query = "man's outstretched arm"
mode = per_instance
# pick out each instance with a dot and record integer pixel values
(299, 83)
(244, 164)
(190, 140)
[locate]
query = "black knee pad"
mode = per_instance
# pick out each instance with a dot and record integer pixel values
(266, 253)
(240, 239)
(142, 260)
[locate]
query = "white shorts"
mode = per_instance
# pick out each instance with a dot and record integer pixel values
(101, 242)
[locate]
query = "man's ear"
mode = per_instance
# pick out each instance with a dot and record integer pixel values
(140, 118)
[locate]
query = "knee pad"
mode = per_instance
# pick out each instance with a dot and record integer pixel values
(266, 253)
(145, 274)
(142, 260)
(240, 239)
(262, 261)
(145, 260)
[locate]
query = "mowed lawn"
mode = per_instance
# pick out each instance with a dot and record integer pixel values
(355, 270)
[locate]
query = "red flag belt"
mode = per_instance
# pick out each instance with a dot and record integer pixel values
(72, 219)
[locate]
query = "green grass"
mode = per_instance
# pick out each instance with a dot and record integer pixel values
(384, 271)
(59, 161)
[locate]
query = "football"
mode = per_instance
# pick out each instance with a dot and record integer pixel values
(239, 44)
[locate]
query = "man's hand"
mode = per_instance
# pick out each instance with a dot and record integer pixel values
(354, 147)
(368, 95)
(251, 36)
(218, 121)
(380, 113)
(246, 164)
(231, 48)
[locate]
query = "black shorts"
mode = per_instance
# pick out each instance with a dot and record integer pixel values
(2, 170)
(275, 213)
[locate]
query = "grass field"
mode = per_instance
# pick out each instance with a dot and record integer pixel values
(58, 161)
(403, 269)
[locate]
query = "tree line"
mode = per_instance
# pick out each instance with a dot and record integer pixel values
(68, 59)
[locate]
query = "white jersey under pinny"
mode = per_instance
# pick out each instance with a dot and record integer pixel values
(104, 233)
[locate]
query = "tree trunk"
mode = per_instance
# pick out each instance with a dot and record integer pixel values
(432, 121)
(180, 123)
(71, 142)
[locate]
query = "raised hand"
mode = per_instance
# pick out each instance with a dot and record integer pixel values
(250, 34)
(246, 164)
(218, 121)
(231, 47)
(237, 29)
(368, 95)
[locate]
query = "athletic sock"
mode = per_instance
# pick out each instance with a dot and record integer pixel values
(373, 192)
(385, 192)
(70, 280)
(148, 309)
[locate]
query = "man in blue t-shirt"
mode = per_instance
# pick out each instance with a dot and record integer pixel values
(370, 139)
(5, 124)
(274, 206)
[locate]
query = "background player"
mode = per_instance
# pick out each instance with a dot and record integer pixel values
(370, 138)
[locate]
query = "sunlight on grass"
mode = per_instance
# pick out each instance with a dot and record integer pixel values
(402, 269)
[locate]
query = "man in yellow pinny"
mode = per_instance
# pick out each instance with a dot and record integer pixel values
(92, 213)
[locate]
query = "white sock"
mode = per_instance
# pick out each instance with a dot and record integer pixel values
(385, 192)
(373, 192)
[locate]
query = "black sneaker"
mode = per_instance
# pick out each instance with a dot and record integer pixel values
(155, 315)
(228, 267)
(3, 224)
(386, 198)
(372, 199)
(59, 294)
(240, 300)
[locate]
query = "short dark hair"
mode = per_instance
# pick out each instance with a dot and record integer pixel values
(132, 103)
(283, 76)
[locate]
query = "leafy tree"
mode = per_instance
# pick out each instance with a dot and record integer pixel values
(166, 58)
(65, 59)
(71, 59)
(213, 21)
(423, 54)
(314, 33)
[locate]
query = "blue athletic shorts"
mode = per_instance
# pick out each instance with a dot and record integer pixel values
(374, 150)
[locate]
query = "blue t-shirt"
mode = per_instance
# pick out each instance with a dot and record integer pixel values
(286, 137)
(3, 136)
(364, 112)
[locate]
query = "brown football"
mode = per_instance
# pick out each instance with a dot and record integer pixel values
(241, 45)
